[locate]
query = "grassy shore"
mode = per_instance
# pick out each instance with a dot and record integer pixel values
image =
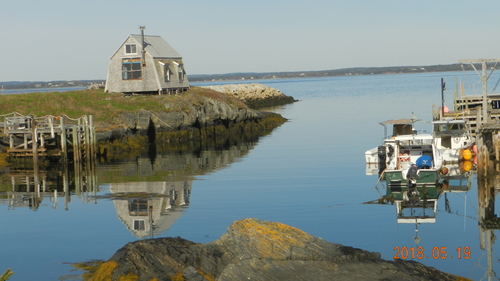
(104, 106)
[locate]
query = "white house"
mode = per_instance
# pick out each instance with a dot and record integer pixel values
(146, 64)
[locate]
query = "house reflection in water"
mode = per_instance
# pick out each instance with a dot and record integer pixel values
(150, 208)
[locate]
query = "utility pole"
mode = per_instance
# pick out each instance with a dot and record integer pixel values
(484, 79)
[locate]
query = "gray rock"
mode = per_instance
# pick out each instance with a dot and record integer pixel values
(190, 274)
(254, 95)
(209, 112)
(258, 250)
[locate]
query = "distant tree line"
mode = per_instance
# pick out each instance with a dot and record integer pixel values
(333, 72)
(258, 75)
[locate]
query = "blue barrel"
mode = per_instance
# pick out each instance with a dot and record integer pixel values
(424, 162)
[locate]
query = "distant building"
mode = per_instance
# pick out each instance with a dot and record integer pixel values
(146, 64)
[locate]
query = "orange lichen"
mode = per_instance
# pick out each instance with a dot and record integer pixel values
(205, 275)
(104, 272)
(271, 239)
(129, 277)
(177, 277)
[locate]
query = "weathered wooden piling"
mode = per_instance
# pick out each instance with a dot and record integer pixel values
(43, 137)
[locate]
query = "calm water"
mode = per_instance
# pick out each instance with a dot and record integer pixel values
(309, 173)
(39, 90)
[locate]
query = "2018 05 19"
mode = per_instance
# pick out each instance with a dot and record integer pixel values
(435, 253)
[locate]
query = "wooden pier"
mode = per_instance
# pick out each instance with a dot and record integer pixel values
(481, 112)
(55, 137)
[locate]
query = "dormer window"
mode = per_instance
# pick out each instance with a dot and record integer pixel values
(167, 73)
(130, 49)
(180, 71)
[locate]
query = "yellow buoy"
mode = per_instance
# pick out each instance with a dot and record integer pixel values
(467, 154)
(444, 170)
(467, 165)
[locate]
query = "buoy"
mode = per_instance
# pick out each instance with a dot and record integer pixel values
(474, 149)
(467, 154)
(444, 170)
(467, 165)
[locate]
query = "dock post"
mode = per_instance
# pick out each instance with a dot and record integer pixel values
(76, 156)
(34, 144)
(73, 134)
(63, 141)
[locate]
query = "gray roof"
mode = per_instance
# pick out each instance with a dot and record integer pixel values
(157, 47)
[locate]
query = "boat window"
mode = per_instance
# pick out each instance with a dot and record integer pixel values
(449, 127)
(402, 129)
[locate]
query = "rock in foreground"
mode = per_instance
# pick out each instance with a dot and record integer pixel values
(257, 250)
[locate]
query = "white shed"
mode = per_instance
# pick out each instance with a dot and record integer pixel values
(146, 64)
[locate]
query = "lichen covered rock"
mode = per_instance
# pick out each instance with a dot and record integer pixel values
(252, 249)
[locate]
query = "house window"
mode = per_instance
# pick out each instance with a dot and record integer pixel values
(139, 225)
(130, 49)
(138, 207)
(131, 69)
(166, 71)
(181, 72)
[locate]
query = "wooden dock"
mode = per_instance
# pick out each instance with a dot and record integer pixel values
(55, 137)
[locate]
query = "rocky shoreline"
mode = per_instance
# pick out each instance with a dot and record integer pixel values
(207, 120)
(254, 95)
(252, 249)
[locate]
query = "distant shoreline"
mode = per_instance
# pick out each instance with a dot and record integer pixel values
(244, 76)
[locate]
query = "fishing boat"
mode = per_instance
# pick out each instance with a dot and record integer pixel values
(416, 169)
(407, 158)
(452, 142)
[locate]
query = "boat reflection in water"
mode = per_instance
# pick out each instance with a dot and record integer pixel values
(421, 207)
(417, 203)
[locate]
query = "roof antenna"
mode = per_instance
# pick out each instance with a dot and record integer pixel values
(142, 27)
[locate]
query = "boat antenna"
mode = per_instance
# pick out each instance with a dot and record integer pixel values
(416, 238)
(443, 87)
(413, 118)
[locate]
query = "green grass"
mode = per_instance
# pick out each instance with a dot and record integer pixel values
(104, 106)
(7, 274)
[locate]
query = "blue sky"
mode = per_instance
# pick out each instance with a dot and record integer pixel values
(70, 39)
